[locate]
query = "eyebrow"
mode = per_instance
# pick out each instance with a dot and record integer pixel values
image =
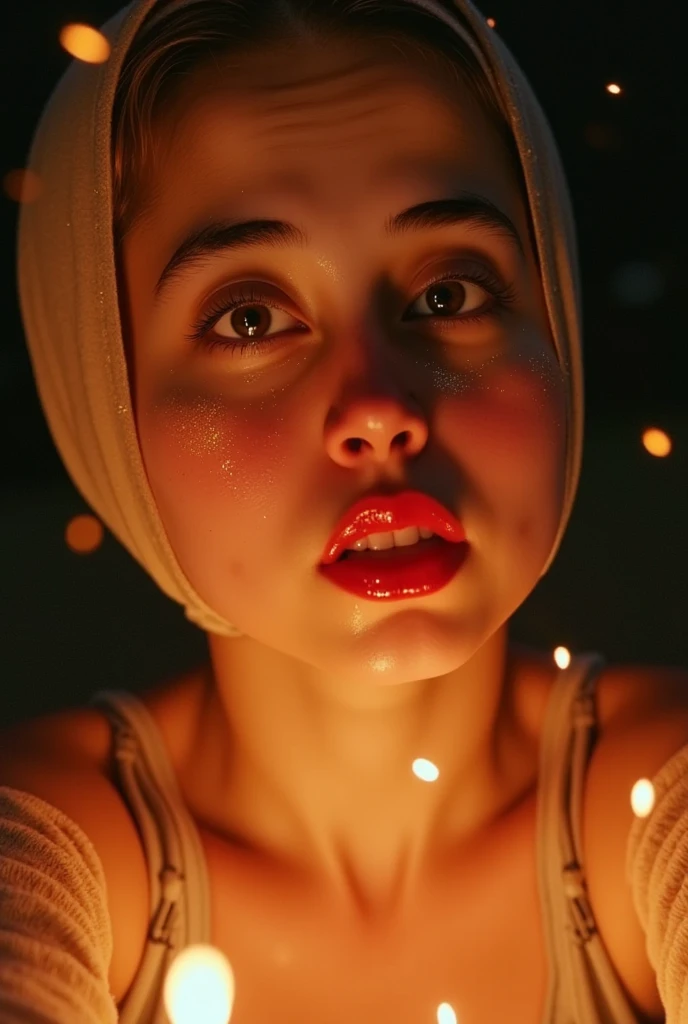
(207, 240)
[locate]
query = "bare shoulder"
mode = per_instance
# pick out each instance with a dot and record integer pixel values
(643, 717)
(63, 758)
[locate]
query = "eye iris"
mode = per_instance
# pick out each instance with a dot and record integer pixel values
(247, 318)
(440, 297)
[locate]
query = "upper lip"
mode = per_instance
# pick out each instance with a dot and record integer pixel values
(380, 513)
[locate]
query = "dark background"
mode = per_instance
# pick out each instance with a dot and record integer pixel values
(74, 623)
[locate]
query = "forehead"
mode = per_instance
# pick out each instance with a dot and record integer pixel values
(342, 124)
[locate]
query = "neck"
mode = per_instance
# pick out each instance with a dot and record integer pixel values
(295, 767)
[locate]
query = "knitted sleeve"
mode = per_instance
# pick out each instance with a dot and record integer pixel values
(657, 870)
(55, 934)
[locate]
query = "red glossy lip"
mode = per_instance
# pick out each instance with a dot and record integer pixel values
(385, 512)
(398, 573)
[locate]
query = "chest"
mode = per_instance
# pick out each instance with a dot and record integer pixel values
(476, 943)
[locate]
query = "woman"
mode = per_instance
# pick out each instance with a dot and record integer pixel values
(302, 302)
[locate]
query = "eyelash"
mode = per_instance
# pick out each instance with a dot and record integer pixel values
(504, 297)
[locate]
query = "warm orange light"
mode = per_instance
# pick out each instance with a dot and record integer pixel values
(22, 185)
(656, 442)
(425, 770)
(491, 22)
(84, 534)
(562, 657)
(199, 987)
(642, 798)
(614, 89)
(85, 43)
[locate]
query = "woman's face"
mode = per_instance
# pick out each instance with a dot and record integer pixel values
(352, 380)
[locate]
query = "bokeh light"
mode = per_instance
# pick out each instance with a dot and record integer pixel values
(85, 43)
(425, 770)
(656, 442)
(84, 534)
(22, 185)
(562, 657)
(445, 1014)
(199, 987)
(642, 798)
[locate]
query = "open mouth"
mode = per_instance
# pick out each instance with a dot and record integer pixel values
(393, 554)
(398, 573)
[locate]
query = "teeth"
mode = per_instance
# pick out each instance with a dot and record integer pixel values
(391, 539)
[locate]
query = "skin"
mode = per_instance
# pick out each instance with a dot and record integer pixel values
(327, 699)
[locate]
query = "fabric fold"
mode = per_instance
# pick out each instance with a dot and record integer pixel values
(55, 934)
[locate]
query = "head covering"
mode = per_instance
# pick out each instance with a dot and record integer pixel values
(68, 287)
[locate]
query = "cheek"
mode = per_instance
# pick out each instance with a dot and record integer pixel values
(210, 466)
(519, 416)
(508, 430)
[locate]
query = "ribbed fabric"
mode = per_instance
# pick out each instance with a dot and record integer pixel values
(55, 934)
(657, 869)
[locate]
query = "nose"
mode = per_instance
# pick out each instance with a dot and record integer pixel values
(372, 430)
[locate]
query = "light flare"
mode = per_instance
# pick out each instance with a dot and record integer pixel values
(85, 43)
(425, 770)
(656, 442)
(642, 798)
(199, 987)
(562, 657)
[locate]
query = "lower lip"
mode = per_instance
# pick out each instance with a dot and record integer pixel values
(399, 573)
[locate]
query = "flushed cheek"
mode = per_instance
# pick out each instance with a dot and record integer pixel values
(211, 467)
(507, 429)
(513, 414)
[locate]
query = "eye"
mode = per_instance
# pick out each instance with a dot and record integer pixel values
(449, 297)
(249, 314)
(242, 318)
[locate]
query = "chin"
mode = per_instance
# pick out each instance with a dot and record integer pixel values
(415, 645)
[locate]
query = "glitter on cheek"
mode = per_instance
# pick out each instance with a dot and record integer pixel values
(381, 663)
(547, 386)
(501, 402)
(189, 434)
(464, 380)
(530, 367)
(213, 440)
(196, 424)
